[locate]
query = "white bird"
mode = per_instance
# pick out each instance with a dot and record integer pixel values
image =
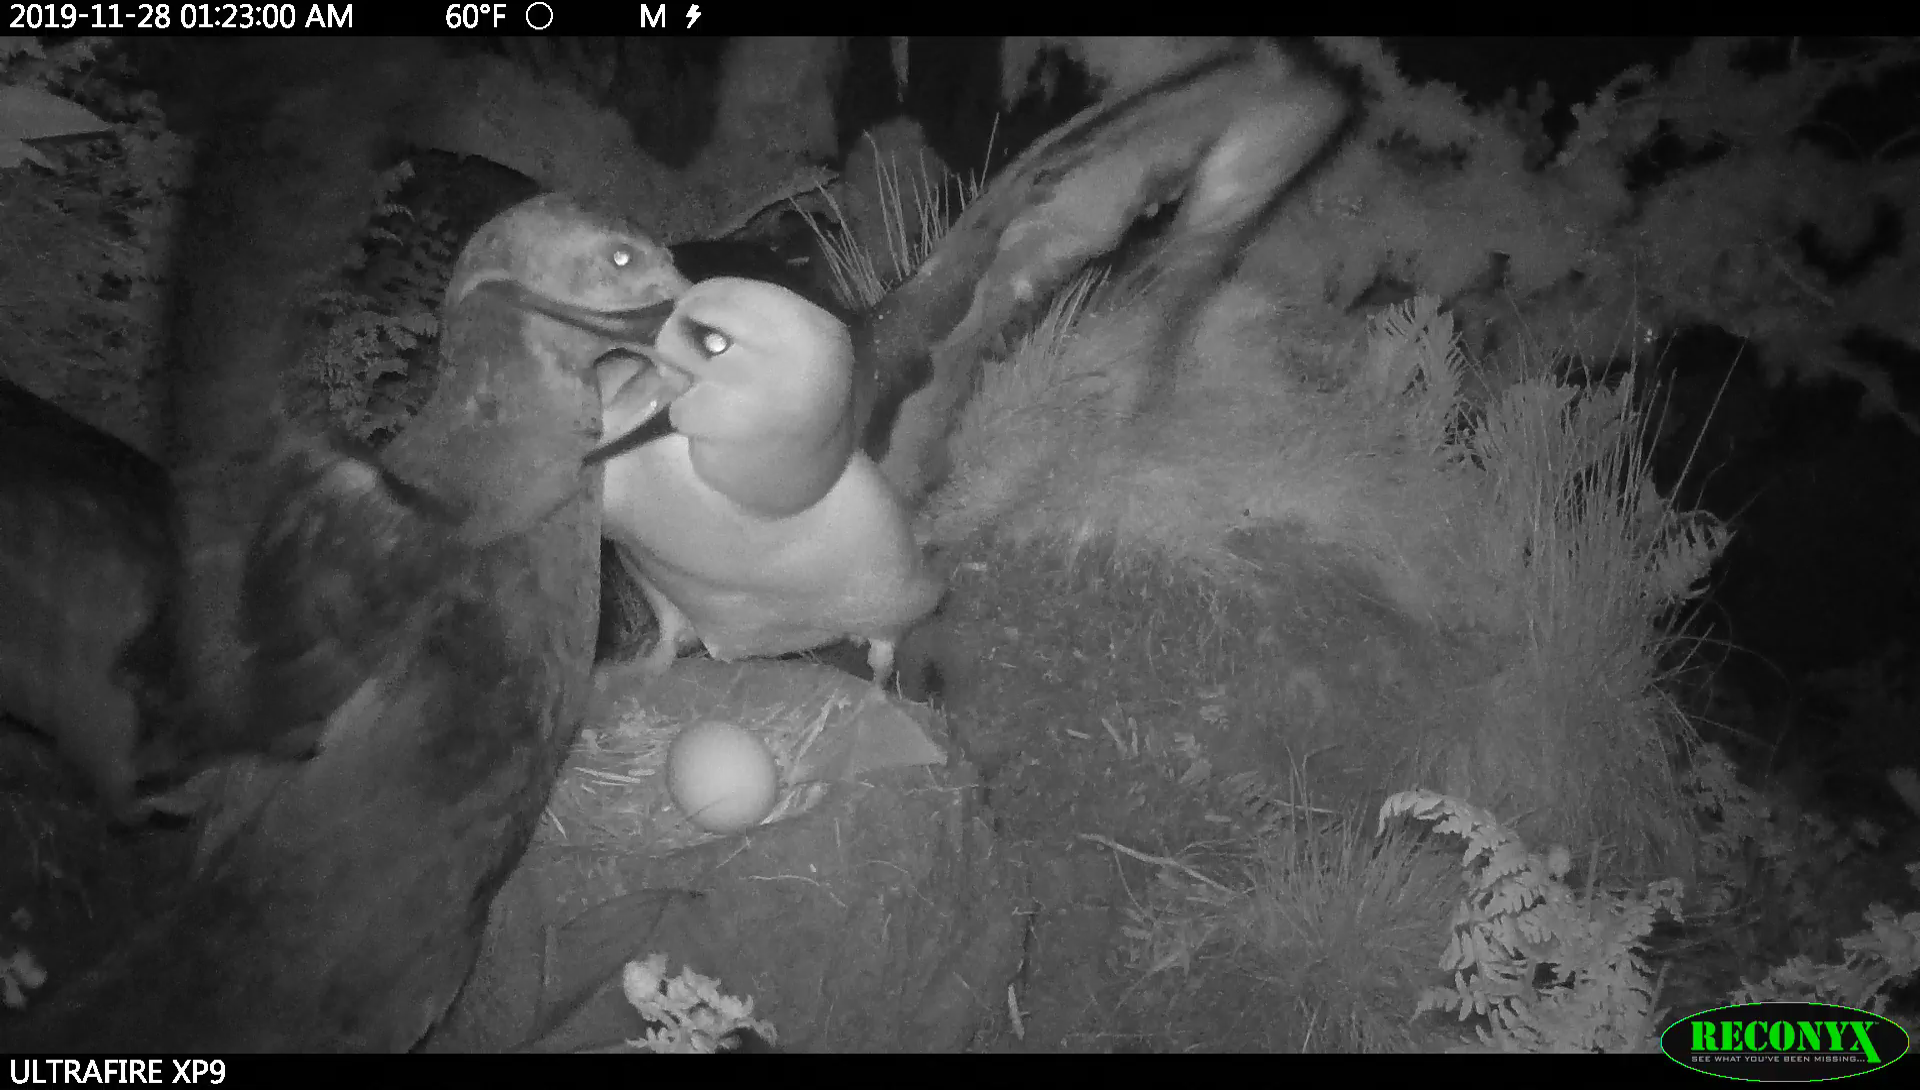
(757, 526)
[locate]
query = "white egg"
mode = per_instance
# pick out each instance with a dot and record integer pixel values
(721, 777)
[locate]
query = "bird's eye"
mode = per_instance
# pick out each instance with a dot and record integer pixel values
(622, 257)
(714, 342)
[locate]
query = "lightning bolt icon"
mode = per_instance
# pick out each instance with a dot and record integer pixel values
(693, 15)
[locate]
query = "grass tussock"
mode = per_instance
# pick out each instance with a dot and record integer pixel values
(1349, 925)
(1331, 931)
(1587, 560)
(899, 201)
(1534, 531)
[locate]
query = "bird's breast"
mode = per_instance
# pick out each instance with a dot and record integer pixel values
(688, 533)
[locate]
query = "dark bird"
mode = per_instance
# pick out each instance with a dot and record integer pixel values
(431, 613)
(406, 638)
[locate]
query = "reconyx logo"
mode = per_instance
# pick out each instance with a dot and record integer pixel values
(1784, 1042)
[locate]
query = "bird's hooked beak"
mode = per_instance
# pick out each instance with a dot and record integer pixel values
(635, 328)
(635, 391)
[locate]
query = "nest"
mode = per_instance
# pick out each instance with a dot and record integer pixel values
(821, 725)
